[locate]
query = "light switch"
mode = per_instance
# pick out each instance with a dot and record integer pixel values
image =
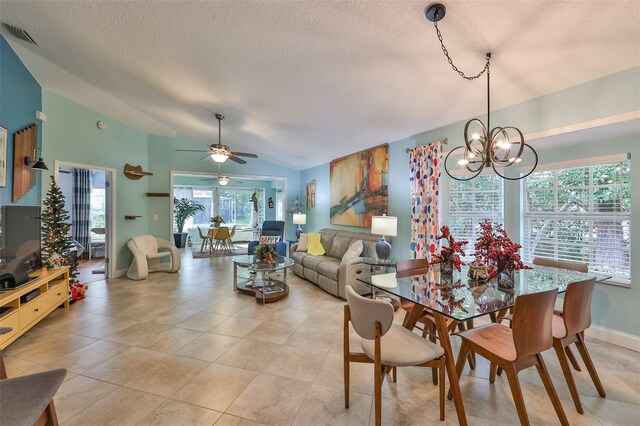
(155, 217)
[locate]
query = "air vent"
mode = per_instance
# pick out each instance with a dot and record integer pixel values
(19, 33)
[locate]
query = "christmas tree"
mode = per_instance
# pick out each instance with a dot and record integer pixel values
(55, 231)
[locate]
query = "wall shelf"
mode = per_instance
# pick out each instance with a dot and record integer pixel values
(158, 194)
(131, 217)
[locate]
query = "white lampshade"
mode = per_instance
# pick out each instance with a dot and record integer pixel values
(299, 219)
(384, 225)
(219, 157)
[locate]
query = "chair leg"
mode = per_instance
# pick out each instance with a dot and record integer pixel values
(394, 373)
(548, 385)
(572, 358)
(378, 391)
(492, 372)
(52, 415)
(345, 353)
(470, 356)
(566, 370)
(516, 391)
(441, 371)
(462, 357)
(584, 353)
(430, 329)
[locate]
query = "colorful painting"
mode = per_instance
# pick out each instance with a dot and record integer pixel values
(312, 192)
(359, 187)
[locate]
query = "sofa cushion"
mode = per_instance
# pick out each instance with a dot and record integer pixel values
(339, 246)
(329, 268)
(327, 239)
(312, 262)
(298, 256)
(328, 285)
(314, 245)
(303, 243)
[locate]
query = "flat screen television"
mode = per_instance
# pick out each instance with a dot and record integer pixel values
(19, 241)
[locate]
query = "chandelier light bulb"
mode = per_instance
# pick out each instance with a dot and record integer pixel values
(463, 161)
(518, 160)
(475, 136)
(471, 155)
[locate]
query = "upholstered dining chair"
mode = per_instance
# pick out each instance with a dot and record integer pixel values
(517, 348)
(232, 233)
(220, 239)
(386, 345)
(569, 328)
(28, 400)
(205, 239)
(407, 268)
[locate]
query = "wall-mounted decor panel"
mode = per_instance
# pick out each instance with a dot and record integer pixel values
(25, 142)
(359, 187)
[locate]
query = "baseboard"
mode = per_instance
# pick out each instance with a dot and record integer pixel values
(120, 273)
(615, 337)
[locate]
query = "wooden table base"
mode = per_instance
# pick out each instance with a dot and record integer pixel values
(249, 289)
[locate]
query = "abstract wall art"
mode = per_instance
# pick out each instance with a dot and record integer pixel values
(358, 187)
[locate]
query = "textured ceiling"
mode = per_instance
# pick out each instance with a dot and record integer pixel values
(302, 83)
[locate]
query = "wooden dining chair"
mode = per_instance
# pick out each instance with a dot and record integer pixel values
(572, 266)
(386, 345)
(407, 268)
(205, 239)
(517, 348)
(569, 328)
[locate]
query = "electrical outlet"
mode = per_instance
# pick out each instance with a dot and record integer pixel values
(155, 217)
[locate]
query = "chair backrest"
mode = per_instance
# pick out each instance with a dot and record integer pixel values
(202, 236)
(532, 321)
(577, 306)
(406, 268)
(573, 266)
(273, 228)
(146, 243)
(222, 234)
(365, 312)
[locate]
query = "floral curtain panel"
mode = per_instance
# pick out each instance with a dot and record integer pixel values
(424, 180)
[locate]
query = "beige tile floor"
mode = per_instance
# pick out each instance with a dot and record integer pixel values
(183, 349)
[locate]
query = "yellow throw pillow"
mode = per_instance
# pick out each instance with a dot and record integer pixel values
(314, 245)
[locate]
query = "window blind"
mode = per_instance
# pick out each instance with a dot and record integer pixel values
(472, 202)
(580, 214)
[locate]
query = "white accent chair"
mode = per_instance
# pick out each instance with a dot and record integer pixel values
(148, 257)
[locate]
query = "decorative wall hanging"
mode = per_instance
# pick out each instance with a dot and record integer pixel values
(270, 202)
(424, 180)
(25, 142)
(358, 185)
(312, 191)
(3, 157)
(135, 172)
(498, 148)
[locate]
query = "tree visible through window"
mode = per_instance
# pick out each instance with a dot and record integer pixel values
(580, 214)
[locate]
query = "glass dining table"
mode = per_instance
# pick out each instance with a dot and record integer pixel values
(459, 298)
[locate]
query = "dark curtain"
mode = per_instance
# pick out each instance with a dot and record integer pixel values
(82, 208)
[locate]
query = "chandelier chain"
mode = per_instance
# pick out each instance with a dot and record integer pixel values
(446, 53)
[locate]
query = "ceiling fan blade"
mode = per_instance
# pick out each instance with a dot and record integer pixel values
(205, 157)
(244, 154)
(190, 150)
(238, 160)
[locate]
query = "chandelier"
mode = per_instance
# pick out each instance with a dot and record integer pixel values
(498, 148)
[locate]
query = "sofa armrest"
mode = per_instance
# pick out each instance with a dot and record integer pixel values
(350, 269)
(294, 247)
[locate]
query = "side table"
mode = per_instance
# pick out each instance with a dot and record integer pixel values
(381, 266)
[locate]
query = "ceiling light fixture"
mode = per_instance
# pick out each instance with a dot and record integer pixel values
(497, 148)
(223, 180)
(219, 153)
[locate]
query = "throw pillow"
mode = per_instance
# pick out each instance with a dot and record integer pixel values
(303, 243)
(269, 240)
(314, 244)
(354, 250)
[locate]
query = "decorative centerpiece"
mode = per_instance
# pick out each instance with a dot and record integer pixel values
(217, 220)
(265, 254)
(449, 257)
(496, 249)
(478, 271)
(55, 261)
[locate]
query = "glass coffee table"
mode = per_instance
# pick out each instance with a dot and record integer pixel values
(258, 279)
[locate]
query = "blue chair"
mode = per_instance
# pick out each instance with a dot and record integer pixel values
(271, 228)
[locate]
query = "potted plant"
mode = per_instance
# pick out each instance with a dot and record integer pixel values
(183, 209)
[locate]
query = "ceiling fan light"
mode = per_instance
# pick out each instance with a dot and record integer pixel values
(219, 157)
(223, 180)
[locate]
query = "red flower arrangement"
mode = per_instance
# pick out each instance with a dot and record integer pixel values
(496, 249)
(453, 251)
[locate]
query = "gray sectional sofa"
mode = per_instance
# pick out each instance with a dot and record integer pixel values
(330, 272)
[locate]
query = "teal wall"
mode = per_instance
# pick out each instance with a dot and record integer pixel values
(20, 98)
(613, 307)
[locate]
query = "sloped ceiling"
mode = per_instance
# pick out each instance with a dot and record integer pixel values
(302, 83)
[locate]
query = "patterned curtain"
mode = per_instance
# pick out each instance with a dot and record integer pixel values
(424, 179)
(82, 208)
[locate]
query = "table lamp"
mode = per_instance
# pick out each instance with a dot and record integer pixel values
(299, 219)
(384, 225)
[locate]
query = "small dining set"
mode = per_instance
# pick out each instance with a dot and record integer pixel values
(523, 324)
(219, 240)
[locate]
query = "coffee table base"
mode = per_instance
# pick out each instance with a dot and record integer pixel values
(251, 290)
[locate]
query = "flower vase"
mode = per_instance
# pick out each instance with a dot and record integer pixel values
(506, 278)
(446, 265)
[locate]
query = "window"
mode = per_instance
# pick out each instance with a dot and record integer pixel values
(474, 201)
(580, 214)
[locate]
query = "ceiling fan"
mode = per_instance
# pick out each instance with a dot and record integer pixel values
(223, 180)
(219, 152)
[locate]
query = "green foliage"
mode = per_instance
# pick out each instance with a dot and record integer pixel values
(183, 209)
(55, 230)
